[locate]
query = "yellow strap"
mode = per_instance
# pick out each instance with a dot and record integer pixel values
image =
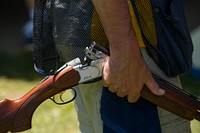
(135, 25)
(146, 18)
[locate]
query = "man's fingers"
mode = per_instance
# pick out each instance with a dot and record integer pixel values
(112, 88)
(120, 94)
(105, 84)
(133, 97)
(134, 93)
(154, 88)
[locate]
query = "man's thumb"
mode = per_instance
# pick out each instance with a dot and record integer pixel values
(154, 87)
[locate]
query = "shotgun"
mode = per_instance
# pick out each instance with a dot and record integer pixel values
(16, 115)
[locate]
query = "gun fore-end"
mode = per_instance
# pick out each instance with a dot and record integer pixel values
(173, 102)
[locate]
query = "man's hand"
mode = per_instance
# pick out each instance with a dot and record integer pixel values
(126, 76)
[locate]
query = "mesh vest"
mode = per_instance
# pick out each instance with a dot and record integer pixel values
(63, 28)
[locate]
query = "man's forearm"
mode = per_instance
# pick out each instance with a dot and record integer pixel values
(115, 18)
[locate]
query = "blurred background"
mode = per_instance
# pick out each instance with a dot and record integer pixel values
(17, 75)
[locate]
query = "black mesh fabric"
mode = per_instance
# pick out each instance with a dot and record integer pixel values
(62, 30)
(44, 46)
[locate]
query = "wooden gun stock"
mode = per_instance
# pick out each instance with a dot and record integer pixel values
(16, 115)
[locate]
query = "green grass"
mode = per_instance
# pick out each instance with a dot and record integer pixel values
(17, 77)
(192, 85)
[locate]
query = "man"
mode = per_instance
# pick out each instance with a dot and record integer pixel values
(126, 72)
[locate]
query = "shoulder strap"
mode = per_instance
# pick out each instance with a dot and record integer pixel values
(174, 46)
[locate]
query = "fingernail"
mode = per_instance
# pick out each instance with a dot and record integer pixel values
(161, 91)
